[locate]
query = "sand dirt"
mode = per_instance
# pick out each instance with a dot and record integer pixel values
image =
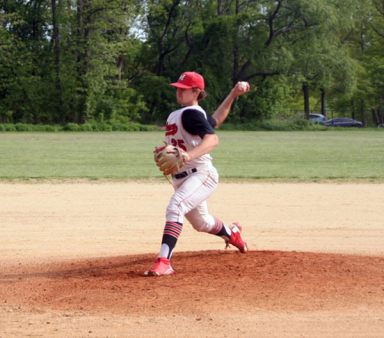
(72, 256)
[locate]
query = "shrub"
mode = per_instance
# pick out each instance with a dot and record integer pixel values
(87, 127)
(71, 127)
(23, 127)
(274, 125)
(8, 127)
(48, 128)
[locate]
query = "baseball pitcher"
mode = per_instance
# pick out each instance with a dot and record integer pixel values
(189, 139)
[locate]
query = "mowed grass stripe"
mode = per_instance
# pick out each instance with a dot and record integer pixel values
(352, 154)
(308, 156)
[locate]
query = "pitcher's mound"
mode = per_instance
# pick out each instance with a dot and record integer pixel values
(209, 281)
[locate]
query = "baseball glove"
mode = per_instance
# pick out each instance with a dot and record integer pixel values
(170, 159)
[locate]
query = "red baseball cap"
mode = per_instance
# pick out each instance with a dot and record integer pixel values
(189, 80)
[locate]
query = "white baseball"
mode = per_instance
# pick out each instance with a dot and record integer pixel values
(243, 85)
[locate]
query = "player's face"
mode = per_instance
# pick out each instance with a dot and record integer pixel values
(187, 97)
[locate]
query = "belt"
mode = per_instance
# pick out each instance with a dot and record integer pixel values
(185, 173)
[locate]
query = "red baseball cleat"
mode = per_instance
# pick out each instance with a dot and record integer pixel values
(161, 267)
(236, 239)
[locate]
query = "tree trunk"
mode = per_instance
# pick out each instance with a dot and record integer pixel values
(82, 60)
(380, 111)
(219, 9)
(236, 58)
(322, 99)
(375, 117)
(163, 52)
(306, 100)
(223, 7)
(362, 111)
(120, 67)
(353, 110)
(60, 118)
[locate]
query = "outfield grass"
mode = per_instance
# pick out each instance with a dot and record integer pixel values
(305, 156)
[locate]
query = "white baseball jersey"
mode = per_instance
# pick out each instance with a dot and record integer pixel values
(177, 136)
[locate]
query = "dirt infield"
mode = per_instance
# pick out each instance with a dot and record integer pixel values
(73, 254)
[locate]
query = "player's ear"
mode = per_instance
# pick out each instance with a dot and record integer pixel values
(202, 94)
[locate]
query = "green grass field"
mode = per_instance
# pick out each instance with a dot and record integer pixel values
(306, 156)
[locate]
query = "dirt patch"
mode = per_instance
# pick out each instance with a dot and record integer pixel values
(72, 258)
(205, 282)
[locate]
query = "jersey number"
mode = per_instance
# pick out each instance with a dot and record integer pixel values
(179, 143)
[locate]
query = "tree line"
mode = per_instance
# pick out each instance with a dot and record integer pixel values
(75, 61)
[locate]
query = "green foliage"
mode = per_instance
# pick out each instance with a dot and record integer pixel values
(160, 97)
(24, 127)
(86, 65)
(275, 125)
(91, 126)
(119, 102)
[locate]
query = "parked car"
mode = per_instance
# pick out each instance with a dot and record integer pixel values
(343, 122)
(317, 118)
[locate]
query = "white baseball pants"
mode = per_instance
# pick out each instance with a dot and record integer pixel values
(190, 199)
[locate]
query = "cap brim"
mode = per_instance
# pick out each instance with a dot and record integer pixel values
(180, 85)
